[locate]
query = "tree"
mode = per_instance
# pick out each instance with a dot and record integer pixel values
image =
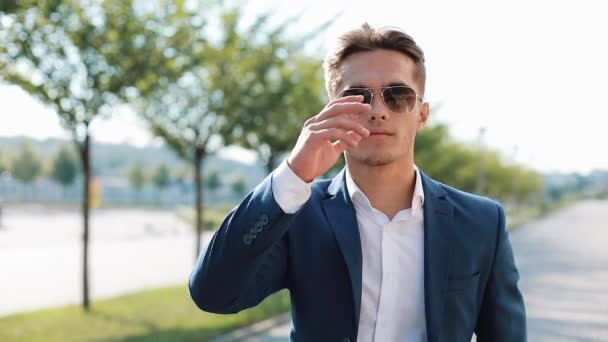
(137, 176)
(3, 166)
(444, 159)
(26, 165)
(161, 177)
(85, 59)
(457, 164)
(213, 181)
(281, 87)
(64, 167)
(196, 114)
(290, 94)
(238, 185)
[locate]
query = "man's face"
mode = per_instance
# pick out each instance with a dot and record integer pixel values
(392, 135)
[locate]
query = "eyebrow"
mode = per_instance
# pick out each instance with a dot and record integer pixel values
(392, 84)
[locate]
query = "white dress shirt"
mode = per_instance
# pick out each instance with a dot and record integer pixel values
(392, 297)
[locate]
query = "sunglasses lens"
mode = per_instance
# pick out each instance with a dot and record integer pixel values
(399, 99)
(366, 93)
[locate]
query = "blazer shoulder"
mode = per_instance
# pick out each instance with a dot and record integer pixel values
(463, 197)
(467, 200)
(480, 217)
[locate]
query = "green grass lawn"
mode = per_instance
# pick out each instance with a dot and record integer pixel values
(166, 314)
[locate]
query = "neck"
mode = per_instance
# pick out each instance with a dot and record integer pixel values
(389, 188)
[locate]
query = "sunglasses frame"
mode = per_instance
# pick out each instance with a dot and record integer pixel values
(382, 89)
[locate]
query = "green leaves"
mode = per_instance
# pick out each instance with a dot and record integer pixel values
(65, 167)
(84, 61)
(8, 6)
(161, 176)
(213, 180)
(466, 167)
(3, 163)
(26, 166)
(136, 175)
(238, 185)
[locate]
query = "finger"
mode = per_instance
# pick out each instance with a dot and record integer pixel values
(353, 138)
(341, 122)
(343, 108)
(350, 141)
(342, 145)
(346, 99)
(351, 98)
(335, 134)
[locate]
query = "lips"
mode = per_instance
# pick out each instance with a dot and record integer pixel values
(379, 131)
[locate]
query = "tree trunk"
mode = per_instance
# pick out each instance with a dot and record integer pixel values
(199, 155)
(86, 166)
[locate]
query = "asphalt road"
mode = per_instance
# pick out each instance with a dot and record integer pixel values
(131, 249)
(563, 262)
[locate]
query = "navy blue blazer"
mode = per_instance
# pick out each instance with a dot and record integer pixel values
(470, 278)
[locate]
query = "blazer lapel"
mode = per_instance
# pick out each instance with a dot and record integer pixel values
(438, 213)
(341, 216)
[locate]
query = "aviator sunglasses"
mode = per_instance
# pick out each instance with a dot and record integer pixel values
(398, 99)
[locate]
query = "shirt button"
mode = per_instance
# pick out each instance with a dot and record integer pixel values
(346, 339)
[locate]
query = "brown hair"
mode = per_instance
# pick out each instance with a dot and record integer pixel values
(367, 38)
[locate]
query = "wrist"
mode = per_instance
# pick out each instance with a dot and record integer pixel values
(297, 171)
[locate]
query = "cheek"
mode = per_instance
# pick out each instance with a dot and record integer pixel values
(408, 129)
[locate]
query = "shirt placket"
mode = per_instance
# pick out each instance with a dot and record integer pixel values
(386, 280)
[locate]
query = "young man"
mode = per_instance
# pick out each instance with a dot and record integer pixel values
(382, 252)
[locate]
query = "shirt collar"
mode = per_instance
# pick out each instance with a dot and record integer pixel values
(358, 197)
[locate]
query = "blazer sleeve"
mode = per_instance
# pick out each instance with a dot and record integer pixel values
(502, 316)
(246, 260)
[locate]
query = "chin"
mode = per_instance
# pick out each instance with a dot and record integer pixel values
(372, 159)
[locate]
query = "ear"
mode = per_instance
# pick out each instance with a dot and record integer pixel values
(423, 116)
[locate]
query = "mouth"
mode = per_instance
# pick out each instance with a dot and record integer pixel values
(380, 132)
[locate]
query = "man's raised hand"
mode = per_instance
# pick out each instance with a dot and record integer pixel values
(326, 135)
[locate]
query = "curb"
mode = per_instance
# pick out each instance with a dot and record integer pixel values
(244, 333)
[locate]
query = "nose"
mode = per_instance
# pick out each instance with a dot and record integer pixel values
(378, 110)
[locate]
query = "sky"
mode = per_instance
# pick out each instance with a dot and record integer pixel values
(531, 73)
